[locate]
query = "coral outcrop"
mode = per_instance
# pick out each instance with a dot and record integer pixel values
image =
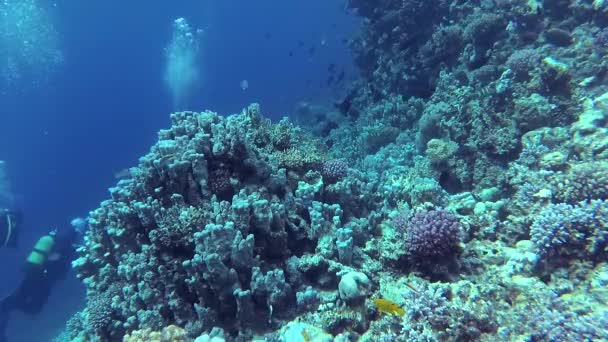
(461, 179)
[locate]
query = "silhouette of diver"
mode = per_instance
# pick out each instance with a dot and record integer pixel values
(49, 262)
(10, 222)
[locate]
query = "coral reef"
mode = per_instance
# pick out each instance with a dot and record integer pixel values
(462, 180)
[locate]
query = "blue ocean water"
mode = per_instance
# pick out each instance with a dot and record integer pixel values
(67, 129)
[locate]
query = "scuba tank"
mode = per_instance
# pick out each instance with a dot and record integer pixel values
(42, 250)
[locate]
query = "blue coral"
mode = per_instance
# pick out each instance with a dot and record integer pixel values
(556, 322)
(583, 182)
(570, 230)
(555, 226)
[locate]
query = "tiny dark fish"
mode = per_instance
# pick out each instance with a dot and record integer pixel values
(290, 53)
(330, 80)
(331, 68)
(312, 50)
(341, 76)
(267, 35)
(412, 287)
(346, 104)
(559, 37)
(300, 43)
(345, 41)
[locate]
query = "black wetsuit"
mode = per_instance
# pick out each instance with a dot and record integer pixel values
(34, 289)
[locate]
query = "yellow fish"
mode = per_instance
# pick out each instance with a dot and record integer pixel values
(388, 306)
(305, 336)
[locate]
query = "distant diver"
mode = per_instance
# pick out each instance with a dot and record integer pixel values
(48, 262)
(10, 218)
(10, 222)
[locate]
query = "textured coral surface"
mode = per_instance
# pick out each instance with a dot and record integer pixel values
(465, 183)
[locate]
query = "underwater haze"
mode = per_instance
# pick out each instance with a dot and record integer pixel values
(322, 170)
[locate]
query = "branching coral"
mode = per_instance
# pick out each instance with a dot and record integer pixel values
(570, 231)
(586, 181)
(433, 233)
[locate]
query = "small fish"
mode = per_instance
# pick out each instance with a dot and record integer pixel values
(412, 287)
(340, 77)
(486, 91)
(244, 85)
(305, 336)
(345, 105)
(311, 50)
(122, 174)
(388, 306)
(54, 256)
(167, 159)
(290, 53)
(331, 67)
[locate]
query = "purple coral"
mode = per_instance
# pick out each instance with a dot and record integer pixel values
(433, 233)
(334, 170)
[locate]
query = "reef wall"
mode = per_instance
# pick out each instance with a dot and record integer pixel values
(460, 186)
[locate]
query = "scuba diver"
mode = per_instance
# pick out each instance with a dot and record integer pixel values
(48, 262)
(10, 221)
